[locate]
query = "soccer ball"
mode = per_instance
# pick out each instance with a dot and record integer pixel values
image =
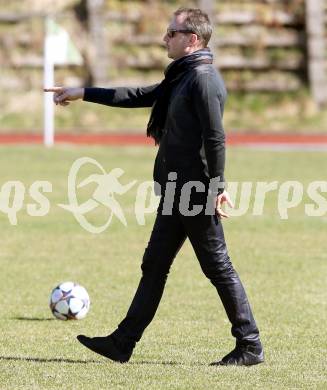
(69, 301)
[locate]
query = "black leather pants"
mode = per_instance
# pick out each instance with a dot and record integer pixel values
(206, 235)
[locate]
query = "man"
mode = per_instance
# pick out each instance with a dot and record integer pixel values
(186, 122)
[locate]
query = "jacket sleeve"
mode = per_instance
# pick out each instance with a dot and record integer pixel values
(208, 99)
(123, 97)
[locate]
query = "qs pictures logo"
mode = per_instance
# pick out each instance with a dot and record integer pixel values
(104, 192)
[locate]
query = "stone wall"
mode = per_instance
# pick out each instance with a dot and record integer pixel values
(258, 45)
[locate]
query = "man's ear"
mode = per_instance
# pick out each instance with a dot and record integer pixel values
(194, 39)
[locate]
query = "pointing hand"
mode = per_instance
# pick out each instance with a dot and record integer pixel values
(64, 95)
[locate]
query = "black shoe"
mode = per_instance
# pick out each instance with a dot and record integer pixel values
(106, 346)
(242, 355)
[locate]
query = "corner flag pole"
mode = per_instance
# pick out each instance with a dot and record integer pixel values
(58, 50)
(48, 131)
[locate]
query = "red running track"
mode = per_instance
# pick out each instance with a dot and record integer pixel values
(139, 139)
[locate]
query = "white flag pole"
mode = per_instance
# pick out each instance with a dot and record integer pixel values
(48, 132)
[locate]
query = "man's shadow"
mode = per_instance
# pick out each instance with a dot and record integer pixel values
(78, 361)
(47, 360)
(166, 363)
(63, 360)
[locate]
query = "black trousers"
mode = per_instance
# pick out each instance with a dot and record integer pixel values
(206, 235)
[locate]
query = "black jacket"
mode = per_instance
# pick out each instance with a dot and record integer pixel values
(193, 143)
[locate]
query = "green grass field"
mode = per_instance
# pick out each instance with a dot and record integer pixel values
(281, 262)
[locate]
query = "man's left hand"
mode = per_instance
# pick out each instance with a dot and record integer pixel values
(222, 198)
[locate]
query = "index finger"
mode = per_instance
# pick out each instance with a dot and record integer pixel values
(53, 89)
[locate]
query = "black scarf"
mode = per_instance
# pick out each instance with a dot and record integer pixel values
(173, 74)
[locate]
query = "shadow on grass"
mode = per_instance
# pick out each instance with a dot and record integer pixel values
(77, 361)
(22, 318)
(167, 363)
(44, 360)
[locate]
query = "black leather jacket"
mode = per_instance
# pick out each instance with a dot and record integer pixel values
(193, 143)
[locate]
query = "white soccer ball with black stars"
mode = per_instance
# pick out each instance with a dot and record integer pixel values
(69, 301)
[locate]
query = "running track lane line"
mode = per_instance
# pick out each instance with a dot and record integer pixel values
(310, 140)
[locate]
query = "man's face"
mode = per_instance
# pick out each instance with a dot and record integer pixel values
(177, 45)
